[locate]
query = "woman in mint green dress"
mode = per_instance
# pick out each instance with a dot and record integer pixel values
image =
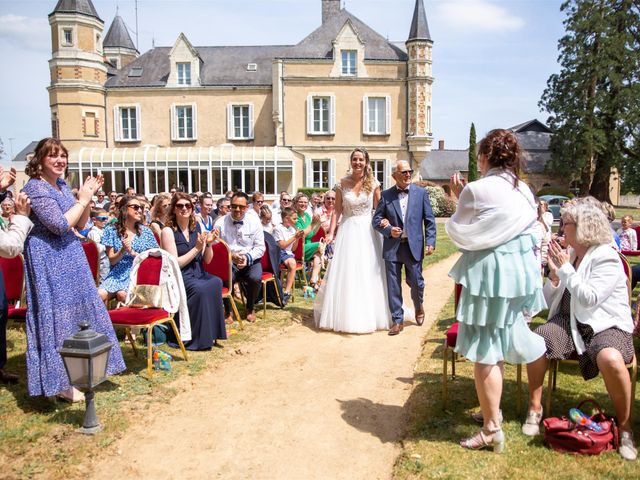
(310, 225)
(499, 274)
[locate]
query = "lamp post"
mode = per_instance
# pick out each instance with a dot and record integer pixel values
(85, 356)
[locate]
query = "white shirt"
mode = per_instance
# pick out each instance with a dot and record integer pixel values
(404, 201)
(280, 232)
(247, 238)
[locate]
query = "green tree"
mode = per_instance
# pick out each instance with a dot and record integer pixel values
(473, 158)
(593, 101)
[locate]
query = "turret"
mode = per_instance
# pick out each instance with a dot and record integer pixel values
(119, 49)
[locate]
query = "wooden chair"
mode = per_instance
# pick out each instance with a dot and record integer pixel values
(221, 266)
(450, 340)
(298, 254)
(93, 258)
(573, 360)
(14, 277)
(268, 275)
(146, 318)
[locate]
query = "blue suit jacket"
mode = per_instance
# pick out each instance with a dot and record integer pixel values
(420, 223)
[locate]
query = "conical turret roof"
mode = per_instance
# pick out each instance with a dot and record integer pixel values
(84, 7)
(118, 35)
(419, 26)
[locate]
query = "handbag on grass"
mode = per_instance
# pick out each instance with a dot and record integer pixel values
(564, 435)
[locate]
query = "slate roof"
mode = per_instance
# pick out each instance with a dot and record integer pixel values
(21, 156)
(220, 66)
(440, 164)
(318, 44)
(118, 35)
(84, 7)
(534, 125)
(419, 26)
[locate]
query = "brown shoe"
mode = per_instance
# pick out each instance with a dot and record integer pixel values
(251, 317)
(6, 377)
(396, 329)
(420, 316)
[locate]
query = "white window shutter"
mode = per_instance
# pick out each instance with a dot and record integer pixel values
(332, 173)
(174, 126)
(230, 129)
(117, 135)
(138, 123)
(309, 114)
(332, 113)
(194, 112)
(387, 113)
(365, 114)
(251, 121)
(309, 173)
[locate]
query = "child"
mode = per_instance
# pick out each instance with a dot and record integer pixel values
(265, 219)
(100, 217)
(287, 237)
(628, 237)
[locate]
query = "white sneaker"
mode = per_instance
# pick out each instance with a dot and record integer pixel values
(627, 449)
(531, 426)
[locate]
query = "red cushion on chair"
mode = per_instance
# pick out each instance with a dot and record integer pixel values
(225, 291)
(18, 313)
(452, 335)
(93, 256)
(267, 276)
(13, 273)
(137, 316)
(149, 271)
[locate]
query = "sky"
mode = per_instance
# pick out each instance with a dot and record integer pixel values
(491, 58)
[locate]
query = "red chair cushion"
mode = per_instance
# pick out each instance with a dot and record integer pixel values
(93, 256)
(225, 291)
(17, 313)
(137, 316)
(267, 276)
(452, 335)
(13, 275)
(219, 265)
(631, 253)
(149, 271)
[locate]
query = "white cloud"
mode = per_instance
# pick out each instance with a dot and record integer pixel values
(477, 16)
(25, 32)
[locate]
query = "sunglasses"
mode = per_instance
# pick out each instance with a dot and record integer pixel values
(102, 219)
(259, 202)
(137, 208)
(331, 199)
(183, 206)
(285, 200)
(406, 172)
(238, 207)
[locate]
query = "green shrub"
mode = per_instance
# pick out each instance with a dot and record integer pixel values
(309, 190)
(555, 191)
(441, 204)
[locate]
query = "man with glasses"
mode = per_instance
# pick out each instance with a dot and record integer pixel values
(284, 201)
(101, 201)
(257, 201)
(223, 206)
(243, 233)
(405, 219)
(112, 198)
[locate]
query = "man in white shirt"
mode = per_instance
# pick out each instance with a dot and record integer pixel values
(276, 208)
(243, 233)
(101, 201)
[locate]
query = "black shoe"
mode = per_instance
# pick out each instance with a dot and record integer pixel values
(285, 298)
(8, 378)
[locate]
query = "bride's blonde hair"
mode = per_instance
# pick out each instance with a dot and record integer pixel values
(369, 180)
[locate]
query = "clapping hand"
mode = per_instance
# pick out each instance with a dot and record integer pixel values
(90, 186)
(7, 178)
(212, 236)
(457, 183)
(22, 204)
(200, 241)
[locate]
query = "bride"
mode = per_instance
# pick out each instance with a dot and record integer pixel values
(353, 294)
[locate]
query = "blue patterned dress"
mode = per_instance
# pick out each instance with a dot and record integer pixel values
(61, 291)
(118, 277)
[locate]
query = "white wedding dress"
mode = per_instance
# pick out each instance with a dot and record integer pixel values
(353, 294)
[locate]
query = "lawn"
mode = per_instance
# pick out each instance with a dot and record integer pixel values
(431, 450)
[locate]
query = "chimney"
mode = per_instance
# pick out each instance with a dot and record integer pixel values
(440, 144)
(329, 9)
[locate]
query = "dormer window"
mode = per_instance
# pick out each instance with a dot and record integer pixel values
(184, 73)
(67, 37)
(349, 62)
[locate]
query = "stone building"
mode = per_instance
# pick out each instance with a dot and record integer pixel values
(216, 118)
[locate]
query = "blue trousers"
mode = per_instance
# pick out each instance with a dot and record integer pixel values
(251, 280)
(413, 272)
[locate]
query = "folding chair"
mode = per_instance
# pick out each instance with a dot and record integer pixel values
(268, 275)
(93, 258)
(13, 275)
(298, 255)
(221, 266)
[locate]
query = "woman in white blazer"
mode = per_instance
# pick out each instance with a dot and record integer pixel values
(589, 314)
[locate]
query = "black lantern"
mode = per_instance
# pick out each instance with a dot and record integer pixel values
(85, 357)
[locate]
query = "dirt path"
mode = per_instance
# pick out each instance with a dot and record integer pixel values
(304, 404)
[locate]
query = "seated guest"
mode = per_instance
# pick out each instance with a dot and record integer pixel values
(287, 237)
(123, 241)
(257, 201)
(628, 237)
(222, 208)
(283, 201)
(309, 224)
(8, 209)
(99, 217)
(266, 218)
(243, 233)
(159, 212)
(204, 217)
(326, 210)
(184, 238)
(589, 314)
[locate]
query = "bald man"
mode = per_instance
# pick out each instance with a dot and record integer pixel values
(405, 219)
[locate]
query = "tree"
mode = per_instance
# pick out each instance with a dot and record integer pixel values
(593, 101)
(473, 158)
(2, 152)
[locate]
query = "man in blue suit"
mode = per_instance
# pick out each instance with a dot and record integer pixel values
(405, 218)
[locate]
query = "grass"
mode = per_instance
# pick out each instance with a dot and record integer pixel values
(622, 211)
(444, 247)
(37, 436)
(431, 450)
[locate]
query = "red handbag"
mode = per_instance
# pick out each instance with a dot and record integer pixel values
(563, 435)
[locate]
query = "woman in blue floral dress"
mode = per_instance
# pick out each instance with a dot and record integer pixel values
(124, 240)
(60, 288)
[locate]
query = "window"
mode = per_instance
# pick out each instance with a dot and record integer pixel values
(349, 67)
(320, 173)
(321, 115)
(428, 119)
(54, 125)
(135, 72)
(115, 61)
(376, 115)
(183, 124)
(379, 171)
(240, 122)
(157, 181)
(67, 37)
(184, 73)
(90, 124)
(127, 124)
